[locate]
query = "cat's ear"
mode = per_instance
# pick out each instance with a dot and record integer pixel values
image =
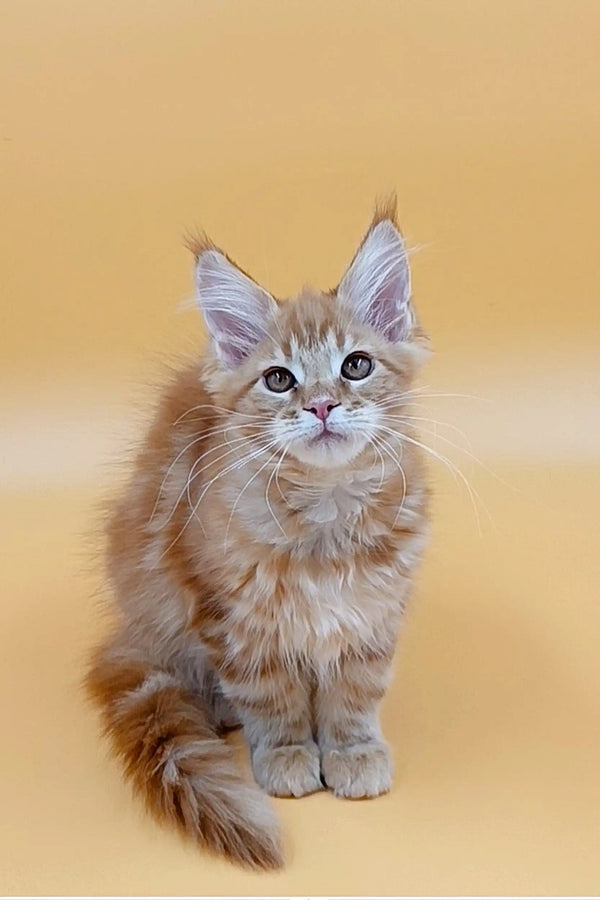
(377, 283)
(236, 310)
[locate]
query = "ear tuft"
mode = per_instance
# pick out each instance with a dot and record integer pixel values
(236, 310)
(386, 209)
(377, 283)
(197, 242)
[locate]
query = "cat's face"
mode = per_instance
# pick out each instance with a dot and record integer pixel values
(325, 388)
(315, 376)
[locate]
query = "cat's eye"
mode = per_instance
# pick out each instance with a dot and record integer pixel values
(357, 366)
(279, 380)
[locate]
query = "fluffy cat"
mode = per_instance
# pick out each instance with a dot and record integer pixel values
(262, 552)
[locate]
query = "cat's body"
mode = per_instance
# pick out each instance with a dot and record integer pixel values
(262, 553)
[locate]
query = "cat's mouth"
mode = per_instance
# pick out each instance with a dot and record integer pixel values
(326, 447)
(326, 436)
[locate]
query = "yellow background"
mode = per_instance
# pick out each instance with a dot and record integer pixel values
(274, 125)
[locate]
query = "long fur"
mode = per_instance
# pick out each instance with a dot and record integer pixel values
(259, 570)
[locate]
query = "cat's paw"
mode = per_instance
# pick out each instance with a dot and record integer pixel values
(359, 770)
(289, 771)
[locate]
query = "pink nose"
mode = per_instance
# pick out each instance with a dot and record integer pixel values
(321, 408)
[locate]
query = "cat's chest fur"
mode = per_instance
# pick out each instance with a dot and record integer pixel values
(311, 610)
(314, 520)
(322, 594)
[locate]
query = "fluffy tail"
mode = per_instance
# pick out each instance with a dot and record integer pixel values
(176, 761)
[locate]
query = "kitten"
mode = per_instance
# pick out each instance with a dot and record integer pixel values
(263, 550)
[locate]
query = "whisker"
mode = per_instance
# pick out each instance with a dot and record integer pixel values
(186, 487)
(394, 457)
(278, 486)
(230, 444)
(199, 437)
(193, 474)
(452, 468)
(239, 496)
(468, 452)
(439, 422)
(276, 469)
(222, 409)
(420, 393)
(230, 468)
(381, 461)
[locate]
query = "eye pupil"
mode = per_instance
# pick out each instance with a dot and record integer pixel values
(357, 366)
(279, 380)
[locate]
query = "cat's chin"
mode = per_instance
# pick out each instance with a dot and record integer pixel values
(330, 453)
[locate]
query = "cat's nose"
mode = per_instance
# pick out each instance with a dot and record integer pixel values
(321, 408)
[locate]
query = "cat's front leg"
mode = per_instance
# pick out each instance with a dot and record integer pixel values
(355, 761)
(274, 707)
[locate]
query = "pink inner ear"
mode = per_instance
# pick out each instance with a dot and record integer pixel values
(377, 284)
(389, 312)
(231, 353)
(236, 310)
(234, 337)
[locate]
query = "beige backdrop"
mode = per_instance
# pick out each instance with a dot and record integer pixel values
(274, 125)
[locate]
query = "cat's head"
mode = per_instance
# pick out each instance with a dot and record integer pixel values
(316, 375)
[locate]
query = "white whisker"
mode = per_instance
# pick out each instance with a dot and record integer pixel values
(387, 448)
(371, 441)
(222, 409)
(276, 469)
(199, 437)
(200, 458)
(239, 496)
(408, 418)
(232, 467)
(452, 468)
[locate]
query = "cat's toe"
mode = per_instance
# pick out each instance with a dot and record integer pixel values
(359, 770)
(289, 771)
